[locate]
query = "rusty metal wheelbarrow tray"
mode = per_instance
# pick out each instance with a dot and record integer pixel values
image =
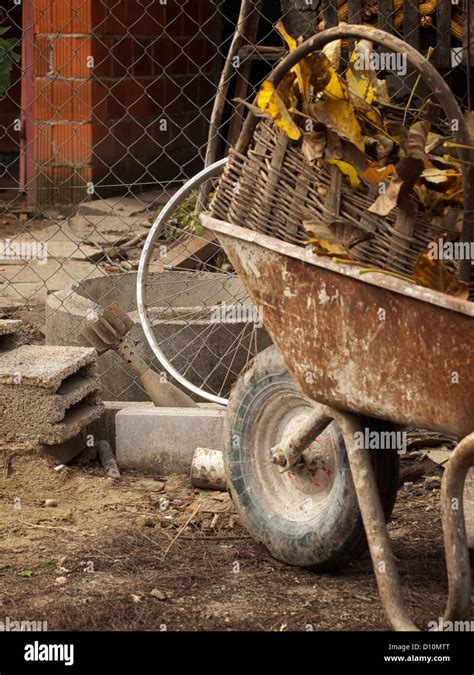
(364, 342)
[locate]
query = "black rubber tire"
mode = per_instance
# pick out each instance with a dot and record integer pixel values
(336, 536)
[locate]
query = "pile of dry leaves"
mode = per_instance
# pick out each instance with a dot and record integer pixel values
(404, 154)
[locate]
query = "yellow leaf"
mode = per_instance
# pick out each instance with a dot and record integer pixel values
(339, 116)
(315, 69)
(270, 102)
(360, 86)
(362, 78)
(336, 87)
(434, 274)
(326, 247)
(303, 73)
(290, 41)
(348, 170)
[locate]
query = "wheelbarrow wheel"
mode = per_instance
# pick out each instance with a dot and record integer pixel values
(307, 516)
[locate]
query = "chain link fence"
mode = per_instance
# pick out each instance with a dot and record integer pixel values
(106, 108)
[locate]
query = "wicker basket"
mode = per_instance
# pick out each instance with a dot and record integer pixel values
(268, 185)
(271, 187)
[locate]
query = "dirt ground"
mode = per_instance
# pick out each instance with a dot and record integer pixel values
(149, 554)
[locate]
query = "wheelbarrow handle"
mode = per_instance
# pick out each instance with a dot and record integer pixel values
(429, 75)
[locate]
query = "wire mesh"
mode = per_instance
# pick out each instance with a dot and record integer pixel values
(106, 107)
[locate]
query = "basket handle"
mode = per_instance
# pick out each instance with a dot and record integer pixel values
(429, 75)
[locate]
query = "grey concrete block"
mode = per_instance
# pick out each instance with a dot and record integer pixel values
(43, 366)
(163, 440)
(103, 428)
(47, 394)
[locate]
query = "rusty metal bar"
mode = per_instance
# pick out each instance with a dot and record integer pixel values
(457, 554)
(454, 528)
(455, 539)
(286, 454)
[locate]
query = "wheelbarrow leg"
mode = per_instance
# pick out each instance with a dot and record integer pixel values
(457, 554)
(386, 574)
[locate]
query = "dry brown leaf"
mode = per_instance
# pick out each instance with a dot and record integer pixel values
(376, 174)
(433, 274)
(320, 72)
(326, 247)
(387, 200)
(314, 145)
(333, 52)
(316, 227)
(435, 175)
(412, 164)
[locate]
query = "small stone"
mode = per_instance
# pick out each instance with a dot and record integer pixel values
(60, 581)
(432, 483)
(152, 485)
(60, 467)
(159, 595)
(136, 598)
(50, 503)
(146, 521)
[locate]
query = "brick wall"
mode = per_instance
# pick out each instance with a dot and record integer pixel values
(123, 89)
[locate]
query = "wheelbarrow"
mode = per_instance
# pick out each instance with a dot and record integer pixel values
(355, 355)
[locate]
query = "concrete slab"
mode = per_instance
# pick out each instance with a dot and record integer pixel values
(163, 440)
(29, 281)
(103, 429)
(47, 394)
(43, 366)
